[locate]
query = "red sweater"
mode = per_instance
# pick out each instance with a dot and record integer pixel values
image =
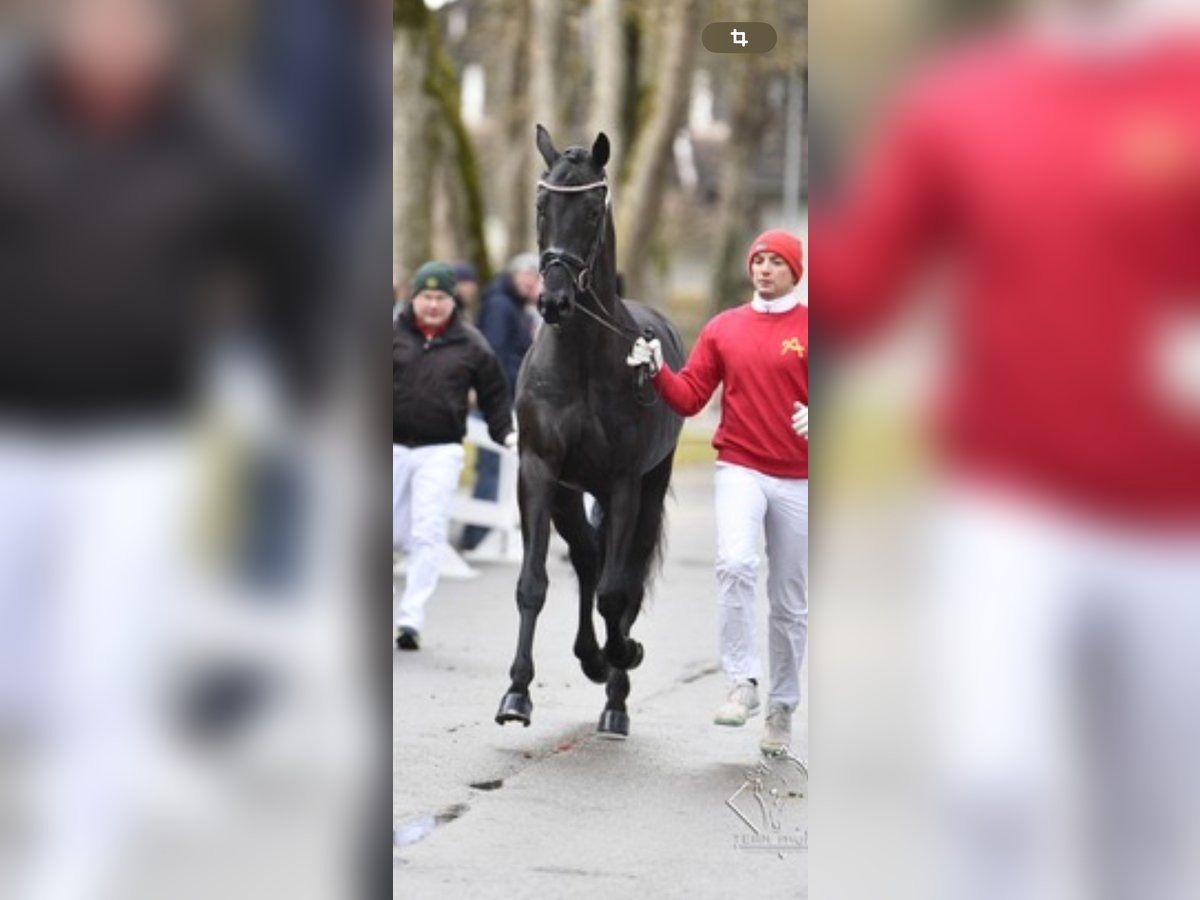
(762, 359)
(1067, 191)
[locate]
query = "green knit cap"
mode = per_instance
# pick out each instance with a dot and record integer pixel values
(433, 276)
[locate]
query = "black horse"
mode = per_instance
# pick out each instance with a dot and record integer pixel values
(588, 423)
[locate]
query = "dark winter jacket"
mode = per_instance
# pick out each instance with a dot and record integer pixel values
(109, 250)
(503, 322)
(432, 378)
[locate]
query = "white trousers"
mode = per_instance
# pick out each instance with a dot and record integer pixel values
(1067, 680)
(746, 503)
(424, 480)
(92, 535)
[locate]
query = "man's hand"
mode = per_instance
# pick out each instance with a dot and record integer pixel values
(510, 441)
(800, 419)
(646, 353)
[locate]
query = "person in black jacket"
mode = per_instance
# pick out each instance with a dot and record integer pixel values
(437, 359)
(506, 321)
(152, 227)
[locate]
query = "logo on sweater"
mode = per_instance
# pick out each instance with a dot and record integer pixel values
(792, 345)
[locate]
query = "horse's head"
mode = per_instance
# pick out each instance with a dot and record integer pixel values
(573, 219)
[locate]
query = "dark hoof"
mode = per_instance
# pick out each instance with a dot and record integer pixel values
(596, 668)
(515, 708)
(614, 725)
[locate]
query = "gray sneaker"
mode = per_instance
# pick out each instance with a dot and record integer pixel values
(741, 704)
(777, 736)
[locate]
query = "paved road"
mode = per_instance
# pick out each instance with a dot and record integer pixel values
(481, 811)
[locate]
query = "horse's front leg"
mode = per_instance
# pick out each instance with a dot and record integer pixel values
(535, 493)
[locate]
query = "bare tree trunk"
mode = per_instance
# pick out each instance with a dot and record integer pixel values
(414, 153)
(632, 29)
(548, 34)
(739, 208)
(512, 195)
(608, 78)
(464, 190)
(641, 197)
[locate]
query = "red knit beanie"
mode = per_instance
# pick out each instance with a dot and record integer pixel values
(787, 246)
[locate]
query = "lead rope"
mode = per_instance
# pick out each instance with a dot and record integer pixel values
(644, 393)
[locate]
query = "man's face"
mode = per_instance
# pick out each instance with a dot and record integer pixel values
(771, 275)
(433, 309)
(528, 285)
(118, 49)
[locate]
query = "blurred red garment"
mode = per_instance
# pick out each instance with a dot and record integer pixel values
(1065, 188)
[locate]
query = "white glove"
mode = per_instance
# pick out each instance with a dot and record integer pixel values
(800, 419)
(646, 353)
(510, 441)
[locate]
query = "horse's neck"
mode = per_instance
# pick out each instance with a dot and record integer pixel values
(605, 281)
(592, 350)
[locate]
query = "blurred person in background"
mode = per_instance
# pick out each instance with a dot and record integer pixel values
(505, 321)
(143, 219)
(759, 352)
(437, 360)
(466, 286)
(1056, 167)
(398, 296)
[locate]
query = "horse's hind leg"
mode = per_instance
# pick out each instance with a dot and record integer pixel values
(646, 539)
(629, 570)
(535, 492)
(619, 586)
(572, 524)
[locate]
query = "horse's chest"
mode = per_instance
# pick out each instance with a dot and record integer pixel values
(589, 452)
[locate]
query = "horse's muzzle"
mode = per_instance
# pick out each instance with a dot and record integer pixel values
(554, 307)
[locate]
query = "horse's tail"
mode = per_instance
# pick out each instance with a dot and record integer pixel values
(656, 487)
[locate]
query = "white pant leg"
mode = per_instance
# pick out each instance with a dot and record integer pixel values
(1145, 799)
(28, 485)
(787, 586)
(402, 472)
(741, 505)
(119, 534)
(1005, 602)
(436, 470)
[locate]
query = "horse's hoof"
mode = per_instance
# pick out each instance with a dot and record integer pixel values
(515, 708)
(614, 725)
(596, 669)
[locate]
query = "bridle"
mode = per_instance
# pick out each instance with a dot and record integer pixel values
(580, 273)
(580, 270)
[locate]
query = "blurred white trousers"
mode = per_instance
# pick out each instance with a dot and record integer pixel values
(747, 504)
(1066, 662)
(91, 541)
(424, 480)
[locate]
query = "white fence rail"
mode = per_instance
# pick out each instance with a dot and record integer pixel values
(503, 542)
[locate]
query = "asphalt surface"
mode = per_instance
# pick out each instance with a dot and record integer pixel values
(683, 808)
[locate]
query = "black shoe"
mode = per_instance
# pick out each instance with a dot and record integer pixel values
(408, 639)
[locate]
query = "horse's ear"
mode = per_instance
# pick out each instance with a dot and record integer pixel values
(600, 150)
(546, 147)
